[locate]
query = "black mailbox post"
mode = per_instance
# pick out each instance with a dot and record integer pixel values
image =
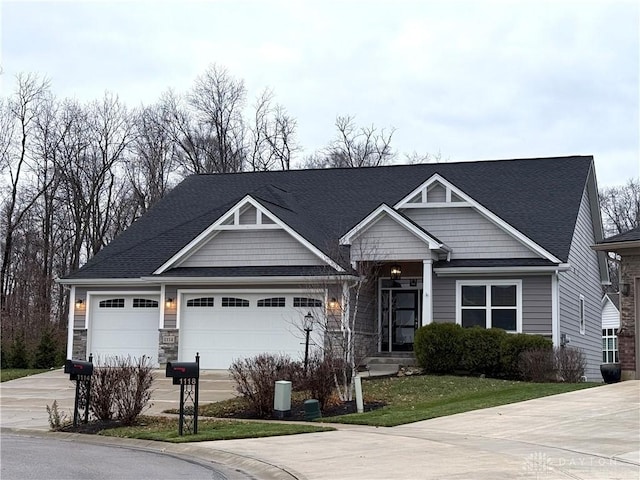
(80, 372)
(187, 375)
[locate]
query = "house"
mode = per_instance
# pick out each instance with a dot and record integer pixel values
(627, 246)
(228, 265)
(610, 326)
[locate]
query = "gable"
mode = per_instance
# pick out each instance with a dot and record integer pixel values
(248, 235)
(387, 239)
(469, 234)
(230, 248)
(471, 230)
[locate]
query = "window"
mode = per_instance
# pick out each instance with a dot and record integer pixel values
(112, 303)
(200, 302)
(495, 304)
(609, 345)
(581, 317)
(272, 302)
(234, 302)
(144, 303)
(306, 302)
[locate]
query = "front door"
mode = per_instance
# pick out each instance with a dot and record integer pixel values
(400, 316)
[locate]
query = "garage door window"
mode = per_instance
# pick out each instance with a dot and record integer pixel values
(112, 303)
(144, 303)
(306, 302)
(200, 302)
(234, 302)
(272, 302)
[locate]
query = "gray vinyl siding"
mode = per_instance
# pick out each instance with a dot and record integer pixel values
(536, 301)
(467, 233)
(252, 248)
(248, 217)
(444, 299)
(583, 279)
(388, 240)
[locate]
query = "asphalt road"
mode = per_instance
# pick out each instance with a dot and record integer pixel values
(34, 458)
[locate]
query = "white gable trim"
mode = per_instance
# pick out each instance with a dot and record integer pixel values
(234, 212)
(379, 213)
(470, 202)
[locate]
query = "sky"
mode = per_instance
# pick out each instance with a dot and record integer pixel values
(466, 80)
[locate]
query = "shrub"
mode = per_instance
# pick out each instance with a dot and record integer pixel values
(256, 376)
(437, 347)
(57, 418)
(481, 349)
(570, 364)
(121, 389)
(320, 380)
(537, 365)
(47, 351)
(18, 355)
(513, 346)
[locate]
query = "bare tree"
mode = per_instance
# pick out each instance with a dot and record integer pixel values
(153, 160)
(355, 147)
(20, 193)
(272, 136)
(620, 207)
(217, 100)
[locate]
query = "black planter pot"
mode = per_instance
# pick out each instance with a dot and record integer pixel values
(610, 372)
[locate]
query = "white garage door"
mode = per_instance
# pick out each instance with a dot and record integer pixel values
(124, 325)
(229, 326)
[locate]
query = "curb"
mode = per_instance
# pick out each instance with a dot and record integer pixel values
(253, 467)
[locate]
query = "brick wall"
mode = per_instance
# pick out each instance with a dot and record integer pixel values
(79, 351)
(628, 323)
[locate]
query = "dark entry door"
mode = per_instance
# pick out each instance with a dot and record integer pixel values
(400, 319)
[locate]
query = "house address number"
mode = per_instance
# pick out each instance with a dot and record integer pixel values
(168, 339)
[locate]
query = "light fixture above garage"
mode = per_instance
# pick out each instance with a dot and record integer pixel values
(79, 303)
(169, 303)
(334, 304)
(396, 272)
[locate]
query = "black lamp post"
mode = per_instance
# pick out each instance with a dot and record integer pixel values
(308, 328)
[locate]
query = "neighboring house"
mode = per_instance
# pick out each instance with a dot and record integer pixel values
(627, 246)
(610, 326)
(228, 265)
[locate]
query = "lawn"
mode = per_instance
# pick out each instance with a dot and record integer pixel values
(415, 398)
(7, 374)
(166, 430)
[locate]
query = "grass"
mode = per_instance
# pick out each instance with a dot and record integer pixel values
(411, 399)
(7, 374)
(166, 430)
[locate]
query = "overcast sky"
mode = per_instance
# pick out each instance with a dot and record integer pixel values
(471, 80)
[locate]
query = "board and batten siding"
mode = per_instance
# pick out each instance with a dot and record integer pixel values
(583, 279)
(610, 316)
(468, 233)
(251, 248)
(386, 240)
(536, 301)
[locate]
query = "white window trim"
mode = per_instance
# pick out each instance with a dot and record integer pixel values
(605, 348)
(488, 284)
(582, 317)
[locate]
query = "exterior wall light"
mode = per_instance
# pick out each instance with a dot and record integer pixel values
(334, 304)
(169, 303)
(79, 304)
(396, 272)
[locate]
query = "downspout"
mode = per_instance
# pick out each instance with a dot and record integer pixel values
(555, 308)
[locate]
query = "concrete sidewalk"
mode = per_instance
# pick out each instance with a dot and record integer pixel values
(587, 434)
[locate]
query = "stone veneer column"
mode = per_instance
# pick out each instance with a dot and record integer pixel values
(627, 348)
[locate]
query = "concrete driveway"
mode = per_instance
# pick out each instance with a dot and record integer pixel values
(587, 434)
(23, 401)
